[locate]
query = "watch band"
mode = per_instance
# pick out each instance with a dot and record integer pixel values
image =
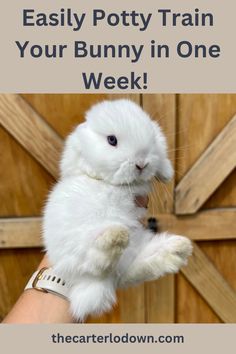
(47, 281)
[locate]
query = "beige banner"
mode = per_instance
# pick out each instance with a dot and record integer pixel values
(154, 46)
(125, 338)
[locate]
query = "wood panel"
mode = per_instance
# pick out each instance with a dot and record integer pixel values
(211, 285)
(31, 131)
(200, 119)
(24, 186)
(160, 294)
(216, 224)
(20, 232)
(16, 267)
(192, 308)
(160, 300)
(205, 176)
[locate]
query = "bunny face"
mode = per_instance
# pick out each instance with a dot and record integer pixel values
(118, 143)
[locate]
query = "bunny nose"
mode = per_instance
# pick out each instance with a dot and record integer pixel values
(141, 167)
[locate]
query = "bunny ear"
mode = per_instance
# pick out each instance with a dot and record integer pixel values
(71, 153)
(165, 171)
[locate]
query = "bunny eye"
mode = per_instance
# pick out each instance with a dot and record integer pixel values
(112, 140)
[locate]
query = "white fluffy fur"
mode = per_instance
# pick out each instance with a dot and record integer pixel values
(91, 225)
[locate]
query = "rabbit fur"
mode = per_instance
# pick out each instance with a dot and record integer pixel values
(91, 226)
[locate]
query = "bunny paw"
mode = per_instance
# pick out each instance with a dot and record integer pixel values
(176, 253)
(164, 254)
(113, 239)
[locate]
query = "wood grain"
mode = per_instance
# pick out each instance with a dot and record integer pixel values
(20, 232)
(31, 131)
(218, 224)
(160, 300)
(160, 304)
(206, 175)
(201, 273)
(16, 267)
(200, 118)
(24, 184)
(132, 305)
(191, 307)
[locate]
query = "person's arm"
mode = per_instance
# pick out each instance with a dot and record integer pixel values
(34, 306)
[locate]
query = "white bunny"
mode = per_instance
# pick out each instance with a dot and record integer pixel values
(92, 230)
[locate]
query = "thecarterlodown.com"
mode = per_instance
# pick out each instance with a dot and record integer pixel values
(114, 338)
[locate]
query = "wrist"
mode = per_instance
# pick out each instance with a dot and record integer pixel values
(44, 263)
(38, 307)
(46, 280)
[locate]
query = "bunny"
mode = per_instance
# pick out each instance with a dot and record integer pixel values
(91, 226)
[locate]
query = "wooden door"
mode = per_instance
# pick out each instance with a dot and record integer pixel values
(31, 138)
(200, 204)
